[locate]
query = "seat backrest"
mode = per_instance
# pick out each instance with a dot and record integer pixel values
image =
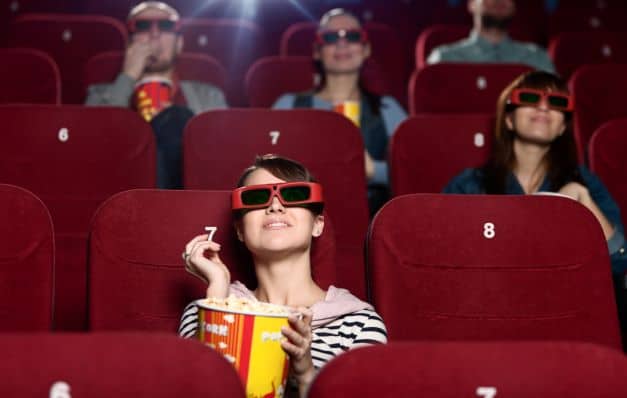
(464, 369)
(73, 158)
(270, 77)
(607, 160)
(70, 40)
(571, 50)
(104, 68)
(29, 77)
(102, 365)
(235, 43)
(327, 143)
(426, 151)
(486, 267)
(385, 72)
(137, 279)
(586, 18)
(598, 92)
(434, 36)
(460, 88)
(26, 268)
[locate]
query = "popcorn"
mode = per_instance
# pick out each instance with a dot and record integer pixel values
(240, 304)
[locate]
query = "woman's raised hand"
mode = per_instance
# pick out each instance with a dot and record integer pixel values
(209, 268)
(298, 346)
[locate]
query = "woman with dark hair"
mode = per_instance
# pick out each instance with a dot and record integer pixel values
(277, 227)
(534, 151)
(339, 53)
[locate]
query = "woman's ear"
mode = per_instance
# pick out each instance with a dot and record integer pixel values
(509, 123)
(318, 226)
(238, 230)
(367, 50)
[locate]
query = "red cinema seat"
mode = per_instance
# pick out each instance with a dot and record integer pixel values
(137, 279)
(102, 365)
(571, 50)
(28, 77)
(607, 160)
(481, 267)
(487, 370)
(325, 142)
(460, 88)
(598, 91)
(70, 40)
(385, 72)
(236, 44)
(270, 77)
(428, 150)
(26, 261)
(435, 36)
(105, 67)
(586, 18)
(73, 158)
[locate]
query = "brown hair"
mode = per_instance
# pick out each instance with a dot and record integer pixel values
(561, 158)
(286, 169)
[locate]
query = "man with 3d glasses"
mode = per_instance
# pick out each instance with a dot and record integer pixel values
(148, 83)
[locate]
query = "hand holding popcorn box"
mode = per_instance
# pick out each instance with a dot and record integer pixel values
(248, 334)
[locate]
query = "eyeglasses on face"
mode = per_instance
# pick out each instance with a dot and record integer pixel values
(333, 36)
(142, 25)
(532, 97)
(288, 193)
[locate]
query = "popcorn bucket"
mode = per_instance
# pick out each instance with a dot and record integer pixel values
(251, 341)
(350, 109)
(151, 96)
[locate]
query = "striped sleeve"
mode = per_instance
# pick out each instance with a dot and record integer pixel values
(189, 321)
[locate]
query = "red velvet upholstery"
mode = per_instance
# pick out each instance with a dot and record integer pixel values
(598, 91)
(70, 40)
(385, 72)
(137, 279)
(435, 36)
(571, 50)
(105, 67)
(479, 267)
(236, 44)
(460, 88)
(607, 160)
(428, 150)
(107, 150)
(586, 18)
(486, 370)
(26, 261)
(103, 365)
(270, 77)
(325, 142)
(28, 77)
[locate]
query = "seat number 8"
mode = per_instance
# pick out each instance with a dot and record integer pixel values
(488, 230)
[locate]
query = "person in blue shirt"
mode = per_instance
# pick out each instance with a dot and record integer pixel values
(534, 151)
(340, 50)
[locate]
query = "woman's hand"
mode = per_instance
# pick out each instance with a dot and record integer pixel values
(581, 194)
(369, 163)
(210, 269)
(298, 346)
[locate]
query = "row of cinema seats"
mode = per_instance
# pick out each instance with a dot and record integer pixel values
(439, 267)
(441, 89)
(75, 158)
(71, 40)
(164, 366)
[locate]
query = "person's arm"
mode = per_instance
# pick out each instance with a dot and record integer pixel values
(393, 115)
(286, 101)
(116, 94)
(373, 331)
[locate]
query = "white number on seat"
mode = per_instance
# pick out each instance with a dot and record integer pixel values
(482, 83)
(486, 392)
(60, 389)
(64, 134)
(488, 230)
(66, 35)
(479, 139)
(274, 136)
(211, 231)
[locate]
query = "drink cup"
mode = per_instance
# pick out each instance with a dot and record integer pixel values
(151, 96)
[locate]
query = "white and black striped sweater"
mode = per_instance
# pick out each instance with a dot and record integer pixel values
(346, 331)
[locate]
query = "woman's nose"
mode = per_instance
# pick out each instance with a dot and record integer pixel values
(276, 205)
